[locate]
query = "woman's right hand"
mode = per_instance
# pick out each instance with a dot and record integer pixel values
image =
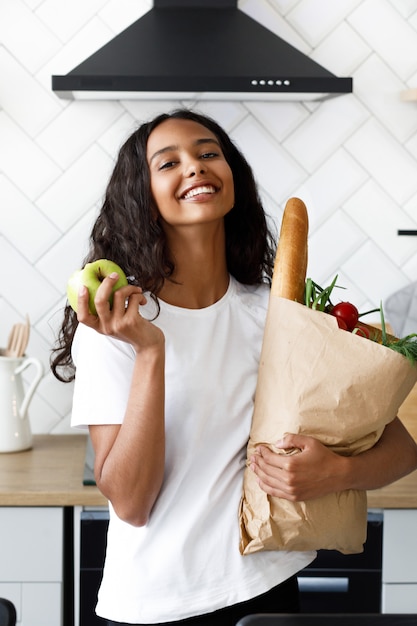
(123, 320)
(130, 457)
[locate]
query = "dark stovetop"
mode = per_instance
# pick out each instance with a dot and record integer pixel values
(88, 478)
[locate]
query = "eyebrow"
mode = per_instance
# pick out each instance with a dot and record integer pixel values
(198, 142)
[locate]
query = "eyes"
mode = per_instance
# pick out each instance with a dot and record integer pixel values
(170, 163)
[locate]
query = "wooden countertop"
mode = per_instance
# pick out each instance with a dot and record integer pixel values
(403, 493)
(50, 474)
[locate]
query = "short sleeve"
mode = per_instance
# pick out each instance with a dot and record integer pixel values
(104, 368)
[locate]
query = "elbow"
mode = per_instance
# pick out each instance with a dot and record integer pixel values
(129, 507)
(130, 511)
(133, 517)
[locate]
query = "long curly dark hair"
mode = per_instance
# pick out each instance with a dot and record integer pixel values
(127, 233)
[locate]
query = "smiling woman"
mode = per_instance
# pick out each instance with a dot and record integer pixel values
(166, 379)
(191, 181)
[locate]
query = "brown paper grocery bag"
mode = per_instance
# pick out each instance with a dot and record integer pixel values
(315, 379)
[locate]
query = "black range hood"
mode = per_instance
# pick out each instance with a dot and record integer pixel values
(199, 49)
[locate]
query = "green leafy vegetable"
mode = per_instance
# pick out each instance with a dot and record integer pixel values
(407, 346)
(317, 298)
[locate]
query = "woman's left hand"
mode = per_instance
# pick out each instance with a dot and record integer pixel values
(312, 472)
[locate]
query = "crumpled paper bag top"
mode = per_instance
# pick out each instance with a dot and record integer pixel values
(315, 379)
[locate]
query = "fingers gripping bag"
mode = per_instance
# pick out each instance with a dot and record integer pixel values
(315, 379)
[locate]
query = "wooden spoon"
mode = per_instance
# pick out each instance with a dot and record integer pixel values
(12, 343)
(25, 336)
(18, 339)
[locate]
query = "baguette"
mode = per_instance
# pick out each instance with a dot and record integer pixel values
(290, 266)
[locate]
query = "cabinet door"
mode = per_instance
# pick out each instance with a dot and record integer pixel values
(31, 542)
(41, 604)
(399, 563)
(35, 603)
(398, 598)
(31, 563)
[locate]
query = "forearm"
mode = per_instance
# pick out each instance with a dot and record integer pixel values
(317, 471)
(391, 458)
(130, 458)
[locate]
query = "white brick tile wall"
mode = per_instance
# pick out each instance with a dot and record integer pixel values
(75, 128)
(342, 51)
(377, 86)
(28, 104)
(78, 189)
(315, 19)
(390, 36)
(353, 159)
(325, 130)
(376, 149)
(21, 160)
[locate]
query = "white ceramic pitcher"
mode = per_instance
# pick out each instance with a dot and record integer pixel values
(15, 431)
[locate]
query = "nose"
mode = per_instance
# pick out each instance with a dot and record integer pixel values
(196, 167)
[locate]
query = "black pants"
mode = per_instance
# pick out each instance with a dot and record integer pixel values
(280, 599)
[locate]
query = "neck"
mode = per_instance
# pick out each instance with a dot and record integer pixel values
(201, 277)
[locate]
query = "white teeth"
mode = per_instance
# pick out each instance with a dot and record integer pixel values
(197, 190)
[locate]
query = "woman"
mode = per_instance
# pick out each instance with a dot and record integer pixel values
(168, 394)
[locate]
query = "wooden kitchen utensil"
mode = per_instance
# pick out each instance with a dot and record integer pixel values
(18, 339)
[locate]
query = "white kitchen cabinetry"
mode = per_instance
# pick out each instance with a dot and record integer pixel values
(31, 563)
(399, 562)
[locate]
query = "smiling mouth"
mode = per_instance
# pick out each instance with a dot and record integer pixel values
(196, 191)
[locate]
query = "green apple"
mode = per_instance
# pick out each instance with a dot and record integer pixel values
(91, 276)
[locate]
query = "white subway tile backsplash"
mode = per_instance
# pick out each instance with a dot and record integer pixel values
(337, 239)
(410, 267)
(411, 144)
(21, 160)
(369, 262)
(276, 172)
(385, 159)
(116, 134)
(405, 7)
(388, 34)
(73, 131)
(57, 265)
(25, 100)
(227, 114)
(25, 36)
(352, 159)
(326, 190)
(26, 290)
(379, 89)
(262, 12)
(283, 6)
(119, 14)
(279, 123)
(20, 220)
(78, 189)
(66, 19)
(410, 207)
(315, 19)
(88, 40)
(371, 206)
(325, 130)
(342, 51)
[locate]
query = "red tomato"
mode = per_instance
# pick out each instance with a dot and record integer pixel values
(346, 312)
(362, 331)
(341, 323)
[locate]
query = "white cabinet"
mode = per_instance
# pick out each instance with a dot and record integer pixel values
(399, 561)
(31, 563)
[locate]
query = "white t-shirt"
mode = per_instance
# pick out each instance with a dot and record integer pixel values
(186, 560)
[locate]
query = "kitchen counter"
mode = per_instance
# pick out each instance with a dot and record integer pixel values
(50, 474)
(403, 493)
